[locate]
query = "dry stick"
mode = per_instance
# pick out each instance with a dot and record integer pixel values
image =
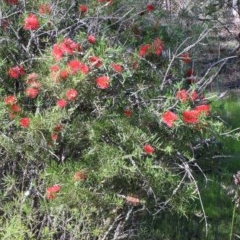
(190, 176)
(121, 224)
(111, 227)
(176, 55)
(206, 83)
(224, 60)
(164, 204)
(227, 133)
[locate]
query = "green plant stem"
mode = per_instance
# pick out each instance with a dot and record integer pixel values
(233, 218)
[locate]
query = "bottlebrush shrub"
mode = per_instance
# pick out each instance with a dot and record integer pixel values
(74, 97)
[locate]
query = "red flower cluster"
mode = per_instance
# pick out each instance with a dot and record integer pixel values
(148, 149)
(64, 74)
(144, 50)
(75, 66)
(185, 58)
(192, 116)
(169, 118)
(10, 100)
(117, 67)
(67, 46)
(24, 122)
(16, 72)
(183, 96)
(11, 2)
(33, 86)
(203, 109)
(51, 192)
(71, 94)
(83, 9)
(191, 76)
(103, 82)
(127, 113)
(150, 7)
(56, 131)
(95, 61)
(156, 47)
(91, 39)
(32, 92)
(31, 22)
(13, 107)
(61, 103)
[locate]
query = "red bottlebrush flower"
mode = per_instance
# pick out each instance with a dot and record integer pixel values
(32, 92)
(133, 200)
(190, 116)
(24, 122)
(16, 72)
(127, 113)
(44, 9)
(15, 108)
(51, 192)
(58, 128)
(11, 2)
(203, 109)
(158, 46)
(103, 82)
(61, 103)
(144, 49)
(54, 136)
(68, 46)
(54, 68)
(91, 39)
(182, 95)
(190, 75)
(150, 7)
(117, 67)
(10, 100)
(193, 96)
(74, 66)
(31, 22)
(148, 149)
(57, 52)
(169, 118)
(83, 9)
(185, 57)
(80, 176)
(71, 94)
(95, 61)
(64, 74)
(84, 69)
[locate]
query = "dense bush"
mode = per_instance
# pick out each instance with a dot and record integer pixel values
(104, 119)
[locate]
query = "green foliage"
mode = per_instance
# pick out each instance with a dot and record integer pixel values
(88, 148)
